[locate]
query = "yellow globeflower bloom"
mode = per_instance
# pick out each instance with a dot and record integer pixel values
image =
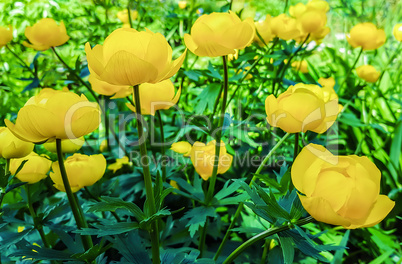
(101, 87)
(397, 31)
(312, 20)
(182, 147)
(45, 34)
(6, 35)
(203, 156)
(182, 4)
(34, 170)
(320, 5)
(219, 34)
(12, 147)
(284, 27)
(327, 82)
(129, 57)
(339, 190)
(55, 114)
(301, 66)
(119, 164)
(156, 96)
(303, 107)
(368, 73)
(297, 10)
(367, 36)
(82, 170)
(67, 145)
(123, 16)
(264, 29)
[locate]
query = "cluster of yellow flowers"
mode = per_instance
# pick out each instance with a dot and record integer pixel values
(129, 58)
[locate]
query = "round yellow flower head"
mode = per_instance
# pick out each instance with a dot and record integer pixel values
(367, 36)
(156, 96)
(284, 27)
(12, 147)
(55, 114)
(297, 10)
(67, 145)
(123, 16)
(312, 20)
(320, 5)
(339, 190)
(45, 34)
(301, 66)
(219, 34)
(82, 170)
(119, 164)
(327, 82)
(397, 31)
(104, 88)
(182, 147)
(182, 4)
(6, 35)
(368, 73)
(203, 156)
(303, 107)
(264, 29)
(129, 57)
(34, 170)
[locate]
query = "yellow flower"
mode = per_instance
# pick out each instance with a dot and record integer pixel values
(234, 56)
(129, 57)
(297, 10)
(339, 190)
(397, 31)
(156, 96)
(284, 27)
(301, 66)
(320, 5)
(12, 147)
(264, 29)
(6, 35)
(45, 34)
(103, 146)
(119, 164)
(303, 107)
(123, 16)
(67, 145)
(203, 156)
(82, 170)
(174, 184)
(101, 87)
(34, 170)
(55, 114)
(367, 36)
(219, 34)
(368, 73)
(182, 4)
(327, 82)
(182, 147)
(312, 20)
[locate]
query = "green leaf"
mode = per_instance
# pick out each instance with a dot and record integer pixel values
(212, 72)
(196, 218)
(107, 230)
(145, 224)
(338, 256)
(9, 239)
(207, 98)
(288, 249)
(132, 248)
(112, 204)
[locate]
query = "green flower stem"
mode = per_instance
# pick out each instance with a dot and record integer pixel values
(163, 160)
(75, 75)
(5, 182)
(129, 15)
(350, 71)
(24, 64)
(265, 251)
(79, 218)
(202, 238)
(154, 232)
(99, 200)
(263, 235)
(282, 70)
(240, 207)
(38, 226)
(296, 147)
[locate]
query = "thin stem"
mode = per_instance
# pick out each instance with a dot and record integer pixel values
(79, 219)
(129, 15)
(154, 233)
(203, 236)
(4, 182)
(23, 63)
(218, 136)
(263, 235)
(163, 161)
(350, 71)
(75, 74)
(240, 207)
(296, 147)
(38, 226)
(265, 251)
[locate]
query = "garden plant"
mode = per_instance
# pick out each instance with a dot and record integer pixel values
(231, 131)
